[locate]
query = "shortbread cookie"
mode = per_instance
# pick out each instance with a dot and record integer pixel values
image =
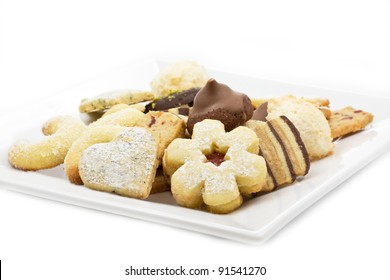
(166, 127)
(160, 183)
(174, 100)
(326, 112)
(127, 165)
(283, 150)
(119, 107)
(126, 117)
(310, 122)
(61, 132)
(219, 102)
(177, 77)
(318, 101)
(107, 100)
(94, 135)
(321, 103)
(348, 120)
(215, 168)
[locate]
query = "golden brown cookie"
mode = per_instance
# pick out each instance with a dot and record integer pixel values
(127, 165)
(107, 100)
(283, 150)
(310, 122)
(120, 107)
(177, 77)
(166, 126)
(160, 183)
(215, 168)
(60, 133)
(348, 120)
(94, 135)
(126, 117)
(321, 103)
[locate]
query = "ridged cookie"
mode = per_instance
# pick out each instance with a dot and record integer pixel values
(283, 149)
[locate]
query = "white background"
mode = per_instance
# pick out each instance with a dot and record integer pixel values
(48, 46)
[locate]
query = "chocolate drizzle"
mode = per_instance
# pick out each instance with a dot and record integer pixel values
(288, 160)
(298, 139)
(275, 183)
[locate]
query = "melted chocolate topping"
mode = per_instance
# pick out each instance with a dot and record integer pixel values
(288, 160)
(269, 171)
(215, 95)
(219, 102)
(177, 99)
(261, 113)
(299, 140)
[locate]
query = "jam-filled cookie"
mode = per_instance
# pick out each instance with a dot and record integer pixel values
(215, 169)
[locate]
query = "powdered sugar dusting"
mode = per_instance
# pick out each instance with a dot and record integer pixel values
(126, 163)
(209, 137)
(60, 133)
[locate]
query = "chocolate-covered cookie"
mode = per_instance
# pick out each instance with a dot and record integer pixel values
(219, 102)
(174, 100)
(261, 113)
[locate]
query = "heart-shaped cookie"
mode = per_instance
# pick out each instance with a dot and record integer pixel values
(126, 166)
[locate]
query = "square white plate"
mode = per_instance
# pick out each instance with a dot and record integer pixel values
(256, 220)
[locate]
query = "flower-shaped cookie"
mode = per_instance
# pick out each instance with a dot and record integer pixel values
(215, 168)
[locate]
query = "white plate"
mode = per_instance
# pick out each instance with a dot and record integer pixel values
(257, 219)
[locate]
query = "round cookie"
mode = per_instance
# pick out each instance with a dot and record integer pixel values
(177, 77)
(310, 122)
(219, 102)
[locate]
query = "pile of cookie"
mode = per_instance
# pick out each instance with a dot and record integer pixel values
(210, 146)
